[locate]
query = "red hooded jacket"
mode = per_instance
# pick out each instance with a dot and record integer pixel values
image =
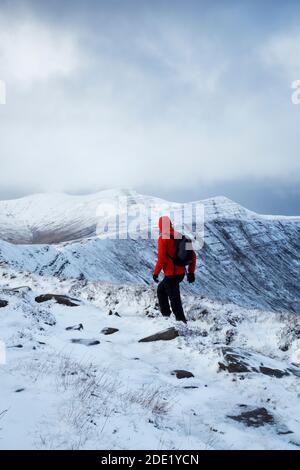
(166, 250)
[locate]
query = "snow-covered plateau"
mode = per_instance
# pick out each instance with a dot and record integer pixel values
(74, 307)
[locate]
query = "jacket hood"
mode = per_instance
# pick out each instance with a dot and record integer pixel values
(165, 225)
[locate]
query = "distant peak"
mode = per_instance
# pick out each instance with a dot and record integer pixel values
(220, 200)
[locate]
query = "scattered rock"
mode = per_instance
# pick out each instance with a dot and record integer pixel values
(75, 327)
(235, 362)
(203, 333)
(114, 313)
(295, 372)
(60, 299)
(3, 303)
(295, 443)
(109, 331)
(284, 432)
(85, 342)
(151, 314)
(239, 361)
(254, 418)
(52, 323)
(229, 337)
(234, 320)
(165, 335)
(182, 374)
(273, 372)
(204, 312)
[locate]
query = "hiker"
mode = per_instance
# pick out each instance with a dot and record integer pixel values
(173, 257)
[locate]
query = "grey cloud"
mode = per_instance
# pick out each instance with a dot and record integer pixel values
(147, 99)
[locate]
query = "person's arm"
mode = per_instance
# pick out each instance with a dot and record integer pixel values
(192, 266)
(161, 256)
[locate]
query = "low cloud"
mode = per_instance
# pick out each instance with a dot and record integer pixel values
(32, 51)
(142, 101)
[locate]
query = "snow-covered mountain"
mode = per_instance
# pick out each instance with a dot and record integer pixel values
(74, 308)
(56, 218)
(247, 258)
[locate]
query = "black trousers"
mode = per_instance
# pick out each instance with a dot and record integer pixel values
(168, 292)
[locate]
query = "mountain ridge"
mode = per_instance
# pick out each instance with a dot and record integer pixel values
(248, 259)
(59, 217)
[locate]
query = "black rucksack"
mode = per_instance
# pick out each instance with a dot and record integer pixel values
(183, 252)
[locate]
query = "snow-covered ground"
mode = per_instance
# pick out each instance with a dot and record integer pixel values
(120, 393)
(67, 384)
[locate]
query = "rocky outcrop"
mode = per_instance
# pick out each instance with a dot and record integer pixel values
(3, 303)
(85, 342)
(273, 372)
(254, 418)
(165, 335)
(236, 360)
(109, 331)
(182, 374)
(60, 299)
(78, 327)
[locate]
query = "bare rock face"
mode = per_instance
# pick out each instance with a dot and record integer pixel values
(165, 335)
(182, 374)
(240, 361)
(273, 372)
(235, 362)
(60, 299)
(109, 331)
(3, 303)
(254, 418)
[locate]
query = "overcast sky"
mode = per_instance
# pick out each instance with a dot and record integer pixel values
(181, 99)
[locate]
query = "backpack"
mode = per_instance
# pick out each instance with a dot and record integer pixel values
(183, 252)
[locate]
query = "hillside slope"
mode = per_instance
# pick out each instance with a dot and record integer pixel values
(67, 384)
(247, 258)
(73, 372)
